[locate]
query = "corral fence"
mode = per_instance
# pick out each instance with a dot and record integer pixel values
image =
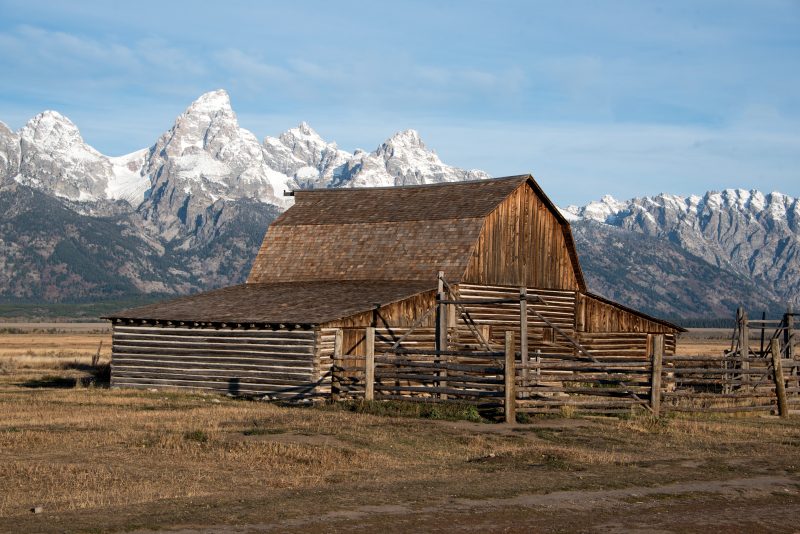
(598, 376)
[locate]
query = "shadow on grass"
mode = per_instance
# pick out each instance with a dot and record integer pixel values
(99, 376)
(52, 382)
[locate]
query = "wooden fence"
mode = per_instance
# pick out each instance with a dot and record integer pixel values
(541, 383)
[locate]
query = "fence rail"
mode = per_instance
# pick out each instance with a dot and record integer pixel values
(554, 382)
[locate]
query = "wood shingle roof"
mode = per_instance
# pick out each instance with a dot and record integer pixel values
(384, 233)
(304, 303)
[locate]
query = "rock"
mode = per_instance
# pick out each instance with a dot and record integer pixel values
(37, 509)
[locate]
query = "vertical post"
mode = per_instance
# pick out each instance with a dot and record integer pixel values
(580, 312)
(744, 345)
(336, 374)
(788, 334)
(780, 386)
(441, 331)
(510, 380)
(369, 371)
(523, 334)
(789, 344)
(657, 349)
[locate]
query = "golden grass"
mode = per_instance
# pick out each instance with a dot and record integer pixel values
(94, 449)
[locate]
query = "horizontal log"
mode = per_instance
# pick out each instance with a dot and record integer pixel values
(449, 366)
(455, 379)
(486, 403)
(223, 378)
(238, 340)
(172, 364)
(624, 367)
(586, 403)
(717, 409)
(600, 392)
(221, 358)
(244, 387)
(629, 380)
(449, 391)
(700, 396)
(196, 351)
(251, 332)
(605, 411)
(469, 354)
(191, 343)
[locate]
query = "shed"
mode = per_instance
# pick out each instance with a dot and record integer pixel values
(352, 258)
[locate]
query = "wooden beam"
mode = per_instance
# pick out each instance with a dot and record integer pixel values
(510, 380)
(789, 344)
(441, 325)
(369, 371)
(780, 385)
(338, 341)
(655, 380)
(744, 341)
(523, 333)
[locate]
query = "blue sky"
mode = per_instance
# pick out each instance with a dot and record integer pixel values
(626, 98)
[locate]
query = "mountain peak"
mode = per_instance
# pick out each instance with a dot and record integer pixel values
(304, 132)
(51, 127)
(212, 101)
(407, 138)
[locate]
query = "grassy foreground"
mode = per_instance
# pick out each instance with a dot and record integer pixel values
(98, 460)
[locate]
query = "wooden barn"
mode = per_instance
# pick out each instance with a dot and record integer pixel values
(342, 260)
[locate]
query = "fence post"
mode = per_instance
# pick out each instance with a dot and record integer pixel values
(523, 334)
(655, 379)
(789, 343)
(336, 372)
(510, 380)
(780, 386)
(369, 371)
(744, 345)
(441, 331)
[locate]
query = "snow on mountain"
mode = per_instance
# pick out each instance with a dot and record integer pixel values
(49, 154)
(55, 158)
(302, 154)
(403, 159)
(750, 232)
(130, 183)
(207, 154)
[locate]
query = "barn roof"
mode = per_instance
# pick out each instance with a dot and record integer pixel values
(279, 303)
(387, 233)
(449, 200)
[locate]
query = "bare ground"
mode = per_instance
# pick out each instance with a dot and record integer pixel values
(100, 460)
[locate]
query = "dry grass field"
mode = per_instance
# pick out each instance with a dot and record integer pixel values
(98, 460)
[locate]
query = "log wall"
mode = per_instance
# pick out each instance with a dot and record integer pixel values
(278, 363)
(596, 315)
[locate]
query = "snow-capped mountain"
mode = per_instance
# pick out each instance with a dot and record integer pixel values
(206, 157)
(303, 155)
(747, 232)
(402, 160)
(189, 212)
(195, 204)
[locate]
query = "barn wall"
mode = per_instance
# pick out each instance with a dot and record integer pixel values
(558, 308)
(280, 363)
(594, 315)
(401, 313)
(522, 244)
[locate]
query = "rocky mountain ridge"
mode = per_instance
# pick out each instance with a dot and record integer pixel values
(750, 233)
(189, 212)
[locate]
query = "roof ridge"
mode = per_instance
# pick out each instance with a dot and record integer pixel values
(518, 177)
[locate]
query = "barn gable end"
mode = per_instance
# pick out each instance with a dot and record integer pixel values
(525, 242)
